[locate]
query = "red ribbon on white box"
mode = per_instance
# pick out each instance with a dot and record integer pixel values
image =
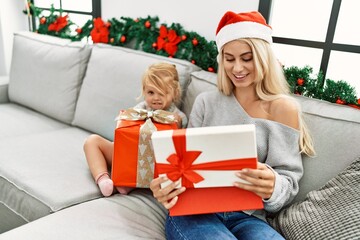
(181, 163)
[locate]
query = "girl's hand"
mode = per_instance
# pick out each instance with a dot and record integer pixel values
(167, 196)
(262, 179)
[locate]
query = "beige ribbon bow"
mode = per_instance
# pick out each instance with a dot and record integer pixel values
(135, 114)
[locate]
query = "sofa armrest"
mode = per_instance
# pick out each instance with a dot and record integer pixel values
(4, 86)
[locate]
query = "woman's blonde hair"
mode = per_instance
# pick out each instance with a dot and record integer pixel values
(270, 83)
(165, 78)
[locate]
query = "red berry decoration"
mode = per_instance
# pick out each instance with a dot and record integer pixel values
(183, 37)
(300, 81)
(195, 42)
(210, 69)
(147, 24)
(111, 40)
(339, 101)
(122, 39)
(193, 61)
(136, 20)
(78, 30)
(42, 20)
(154, 45)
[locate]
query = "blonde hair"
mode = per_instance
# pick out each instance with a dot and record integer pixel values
(165, 78)
(270, 83)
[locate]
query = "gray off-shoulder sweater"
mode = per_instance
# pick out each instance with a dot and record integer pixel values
(277, 144)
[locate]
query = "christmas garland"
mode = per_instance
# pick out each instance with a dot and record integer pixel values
(149, 35)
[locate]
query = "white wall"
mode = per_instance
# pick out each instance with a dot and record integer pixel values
(201, 16)
(11, 20)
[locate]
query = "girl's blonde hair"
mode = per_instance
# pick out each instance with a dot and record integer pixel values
(165, 78)
(270, 83)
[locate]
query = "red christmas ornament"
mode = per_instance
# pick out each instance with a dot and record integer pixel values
(339, 101)
(78, 30)
(183, 37)
(300, 81)
(147, 24)
(111, 40)
(122, 39)
(154, 45)
(195, 42)
(354, 106)
(193, 61)
(42, 20)
(210, 69)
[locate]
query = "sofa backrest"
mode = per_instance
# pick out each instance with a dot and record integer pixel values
(335, 130)
(200, 81)
(336, 133)
(46, 73)
(113, 82)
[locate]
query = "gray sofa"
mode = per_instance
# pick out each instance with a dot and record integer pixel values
(59, 92)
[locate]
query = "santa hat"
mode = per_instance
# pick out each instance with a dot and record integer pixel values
(243, 25)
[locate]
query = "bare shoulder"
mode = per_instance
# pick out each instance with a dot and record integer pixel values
(286, 111)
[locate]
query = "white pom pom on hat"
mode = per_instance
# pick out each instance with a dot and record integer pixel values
(242, 25)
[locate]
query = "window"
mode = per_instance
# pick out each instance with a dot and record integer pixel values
(323, 34)
(79, 11)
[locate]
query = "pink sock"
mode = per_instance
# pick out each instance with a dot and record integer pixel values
(105, 184)
(124, 190)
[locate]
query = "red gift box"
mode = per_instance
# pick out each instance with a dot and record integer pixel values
(208, 180)
(133, 157)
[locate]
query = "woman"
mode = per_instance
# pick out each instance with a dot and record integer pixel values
(252, 90)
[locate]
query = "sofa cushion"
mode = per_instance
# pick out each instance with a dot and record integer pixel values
(200, 81)
(45, 172)
(113, 82)
(332, 212)
(46, 73)
(135, 216)
(335, 130)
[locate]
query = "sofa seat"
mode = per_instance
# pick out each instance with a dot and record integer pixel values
(115, 217)
(52, 180)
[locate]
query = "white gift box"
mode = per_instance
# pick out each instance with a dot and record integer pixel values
(218, 143)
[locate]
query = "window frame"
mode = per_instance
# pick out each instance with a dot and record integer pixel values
(327, 46)
(96, 11)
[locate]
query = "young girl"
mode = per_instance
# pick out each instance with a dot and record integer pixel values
(161, 90)
(252, 89)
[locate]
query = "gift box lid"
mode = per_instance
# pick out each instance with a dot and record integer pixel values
(221, 151)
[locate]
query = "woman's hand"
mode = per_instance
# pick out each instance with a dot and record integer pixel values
(262, 179)
(168, 195)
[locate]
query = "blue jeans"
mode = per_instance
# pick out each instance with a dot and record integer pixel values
(228, 225)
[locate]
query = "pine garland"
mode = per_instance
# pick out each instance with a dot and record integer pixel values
(149, 35)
